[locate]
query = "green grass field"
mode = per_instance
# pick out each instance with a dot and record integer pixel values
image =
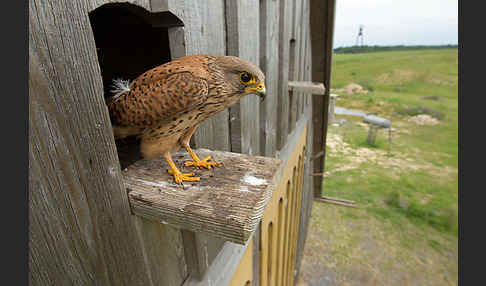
(405, 228)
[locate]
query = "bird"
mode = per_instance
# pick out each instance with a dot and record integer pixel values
(165, 105)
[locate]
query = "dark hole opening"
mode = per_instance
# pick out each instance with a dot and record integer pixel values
(129, 41)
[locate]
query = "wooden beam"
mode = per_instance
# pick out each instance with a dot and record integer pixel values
(322, 26)
(285, 21)
(227, 203)
(335, 201)
(224, 267)
(307, 87)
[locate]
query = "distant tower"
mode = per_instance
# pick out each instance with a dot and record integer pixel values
(360, 36)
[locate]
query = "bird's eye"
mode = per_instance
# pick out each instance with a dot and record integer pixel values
(245, 77)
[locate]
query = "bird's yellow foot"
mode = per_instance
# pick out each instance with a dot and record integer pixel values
(180, 177)
(203, 163)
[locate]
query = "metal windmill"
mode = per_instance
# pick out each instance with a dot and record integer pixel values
(360, 36)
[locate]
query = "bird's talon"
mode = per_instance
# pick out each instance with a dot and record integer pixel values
(203, 163)
(180, 177)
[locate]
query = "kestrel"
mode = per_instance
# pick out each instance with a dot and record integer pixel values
(165, 105)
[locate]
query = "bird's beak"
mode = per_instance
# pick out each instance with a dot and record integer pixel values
(259, 90)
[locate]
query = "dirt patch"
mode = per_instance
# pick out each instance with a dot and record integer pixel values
(338, 148)
(352, 88)
(424, 119)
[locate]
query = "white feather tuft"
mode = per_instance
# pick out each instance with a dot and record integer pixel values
(119, 87)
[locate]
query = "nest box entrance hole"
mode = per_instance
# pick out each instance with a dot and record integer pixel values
(129, 41)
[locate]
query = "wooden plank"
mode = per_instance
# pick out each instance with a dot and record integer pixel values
(298, 204)
(227, 203)
(244, 273)
(285, 21)
(76, 198)
(322, 26)
(243, 41)
(223, 268)
(177, 42)
(93, 4)
(294, 61)
(256, 255)
(233, 49)
(163, 250)
(275, 247)
(336, 201)
(201, 250)
(301, 54)
(214, 132)
(308, 188)
(159, 5)
(306, 87)
(282, 218)
(306, 105)
(269, 20)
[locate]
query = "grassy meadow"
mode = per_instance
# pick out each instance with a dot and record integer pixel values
(404, 230)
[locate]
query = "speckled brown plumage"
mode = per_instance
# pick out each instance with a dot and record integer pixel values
(166, 104)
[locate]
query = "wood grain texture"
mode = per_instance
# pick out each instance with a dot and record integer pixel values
(233, 49)
(317, 68)
(269, 34)
(77, 202)
(302, 54)
(214, 133)
(285, 21)
(242, 22)
(294, 61)
(93, 4)
(306, 106)
(321, 39)
(307, 87)
(163, 251)
(223, 268)
(177, 42)
(227, 203)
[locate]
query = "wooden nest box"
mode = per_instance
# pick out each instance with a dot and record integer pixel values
(99, 215)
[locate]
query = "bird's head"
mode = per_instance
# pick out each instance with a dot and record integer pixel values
(243, 76)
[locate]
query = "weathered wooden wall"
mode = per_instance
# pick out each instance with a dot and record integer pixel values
(79, 221)
(76, 196)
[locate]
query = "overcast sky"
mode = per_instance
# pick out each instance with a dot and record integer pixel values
(396, 22)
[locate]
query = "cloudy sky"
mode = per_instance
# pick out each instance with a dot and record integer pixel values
(396, 22)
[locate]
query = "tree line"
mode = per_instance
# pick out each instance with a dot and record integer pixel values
(371, 49)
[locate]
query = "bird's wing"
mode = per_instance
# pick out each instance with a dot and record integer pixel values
(156, 96)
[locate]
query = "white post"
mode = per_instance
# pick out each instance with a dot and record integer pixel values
(332, 103)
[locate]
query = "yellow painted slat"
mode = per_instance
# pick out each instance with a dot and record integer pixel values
(279, 227)
(244, 273)
(280, 239)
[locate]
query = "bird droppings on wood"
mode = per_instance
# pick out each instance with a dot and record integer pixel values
(227, 202)
(252, 180)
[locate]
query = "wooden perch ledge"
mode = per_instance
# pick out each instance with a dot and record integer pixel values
(307, 87)
(228, 202)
